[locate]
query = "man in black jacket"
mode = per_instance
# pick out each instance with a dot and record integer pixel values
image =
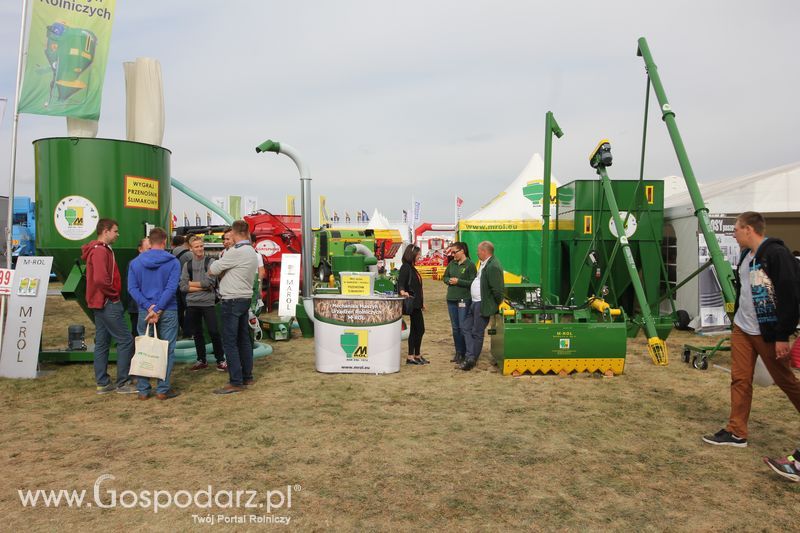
(766, 315)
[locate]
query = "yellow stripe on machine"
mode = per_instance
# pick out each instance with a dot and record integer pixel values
(520, 366)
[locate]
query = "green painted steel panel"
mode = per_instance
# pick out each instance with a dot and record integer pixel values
(583, 201)
(518, 251)
(572, 340)
(76, 176)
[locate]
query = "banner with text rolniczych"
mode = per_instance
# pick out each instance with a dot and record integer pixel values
(67, 51)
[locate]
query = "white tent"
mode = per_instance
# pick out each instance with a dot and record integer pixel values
(513, 223)
(775, 193)
(511, 204)
(378, 221)
(770, 191)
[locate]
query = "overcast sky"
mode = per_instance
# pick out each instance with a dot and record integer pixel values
(386, 100)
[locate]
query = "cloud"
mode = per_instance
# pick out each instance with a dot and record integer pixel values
(442, 98)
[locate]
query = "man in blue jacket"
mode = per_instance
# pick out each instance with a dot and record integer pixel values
(152, 281)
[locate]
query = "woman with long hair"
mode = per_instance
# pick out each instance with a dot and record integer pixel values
(409, 285)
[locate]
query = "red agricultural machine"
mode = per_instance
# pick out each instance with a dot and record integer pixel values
(273, 236)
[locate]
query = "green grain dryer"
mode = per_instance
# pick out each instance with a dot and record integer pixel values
(79, 181)
(539, 330)
(592, 262)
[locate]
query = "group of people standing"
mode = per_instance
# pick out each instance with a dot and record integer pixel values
(474, 295)
(154, 279)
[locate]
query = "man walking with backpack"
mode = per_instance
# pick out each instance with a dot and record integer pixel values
(201, 296)
(766, 315)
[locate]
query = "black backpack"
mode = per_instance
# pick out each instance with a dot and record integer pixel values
(190, 271)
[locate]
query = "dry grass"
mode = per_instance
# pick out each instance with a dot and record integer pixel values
(429, 447)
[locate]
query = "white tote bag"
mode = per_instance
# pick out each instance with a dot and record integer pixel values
(150, 355)
(761, 375)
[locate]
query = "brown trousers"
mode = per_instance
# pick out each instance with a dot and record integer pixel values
(744, 350)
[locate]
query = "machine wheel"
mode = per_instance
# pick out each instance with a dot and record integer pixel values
(682, 320)
(687, 355)
(700, 363)
(324, 272)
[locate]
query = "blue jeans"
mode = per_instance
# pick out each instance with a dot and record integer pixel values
(109, 322)
(474, 327)
(167, 327)
(236, 339)
(457, 317)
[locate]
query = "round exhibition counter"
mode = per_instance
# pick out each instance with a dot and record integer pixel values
(357, 334)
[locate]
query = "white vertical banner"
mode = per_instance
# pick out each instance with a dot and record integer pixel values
(222, 202)
(410, 222)
(3, 102)
(289, 292)
(23, 329)
(250, 205)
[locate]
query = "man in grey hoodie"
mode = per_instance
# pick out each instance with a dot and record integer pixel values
(238, 269)
(201, 295)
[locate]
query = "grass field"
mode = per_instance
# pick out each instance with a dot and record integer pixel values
(427, 448)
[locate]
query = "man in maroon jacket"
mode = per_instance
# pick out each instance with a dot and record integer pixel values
(103, 286)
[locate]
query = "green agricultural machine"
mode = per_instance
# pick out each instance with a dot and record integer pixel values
(331, 255)
(606, 279)
(543, 331)
(70, 52)
(79, 181)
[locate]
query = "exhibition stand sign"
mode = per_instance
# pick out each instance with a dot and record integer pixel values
(357, 334)
(23, 329)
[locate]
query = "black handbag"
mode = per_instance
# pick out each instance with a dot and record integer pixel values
(408, 305)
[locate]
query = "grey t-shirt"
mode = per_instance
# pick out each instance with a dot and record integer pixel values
(202, 298)
(745, 316)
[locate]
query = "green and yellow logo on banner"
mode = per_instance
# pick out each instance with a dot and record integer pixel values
(67, 52)
(354, 342)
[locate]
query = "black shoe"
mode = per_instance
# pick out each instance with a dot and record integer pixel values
(723, 437)
(410, 361)
(467, 365)
(422, 360)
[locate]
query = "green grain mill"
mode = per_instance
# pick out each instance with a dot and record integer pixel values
(79, 181)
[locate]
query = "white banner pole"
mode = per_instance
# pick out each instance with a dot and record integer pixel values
(14, 127)
(12, 173)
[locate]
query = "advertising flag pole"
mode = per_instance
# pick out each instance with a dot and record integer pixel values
(14, 127)
(12, 173)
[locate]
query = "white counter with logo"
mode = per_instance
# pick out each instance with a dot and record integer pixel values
(357, 334)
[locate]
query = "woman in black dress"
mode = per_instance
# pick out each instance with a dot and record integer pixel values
(409, 284)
